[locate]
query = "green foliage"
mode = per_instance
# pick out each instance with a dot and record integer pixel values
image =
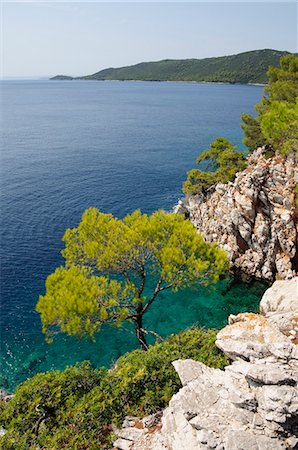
(76, 409)
(108, 263)
(254, 137)
(247, 67)
(275, 128)
(198, 180)
(39, 404)
(276, 125)
(283, 80)
(79, 302)
(279, 125)
(296, 196)
(224, 162)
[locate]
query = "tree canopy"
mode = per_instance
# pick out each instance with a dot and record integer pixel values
(222, 162)
(276, 125)
(114, 270)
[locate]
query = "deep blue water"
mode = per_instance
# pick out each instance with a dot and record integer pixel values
(118, 146)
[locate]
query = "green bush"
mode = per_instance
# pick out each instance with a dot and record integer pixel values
(222, 162)
(77, 408)
(280, 126)
(254, 137)
(276, 125)
(198, 181)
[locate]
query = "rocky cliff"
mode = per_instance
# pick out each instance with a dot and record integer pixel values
(251, 405)
(253, 218)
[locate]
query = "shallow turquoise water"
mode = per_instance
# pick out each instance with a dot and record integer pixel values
(117, 146)
(171, 313)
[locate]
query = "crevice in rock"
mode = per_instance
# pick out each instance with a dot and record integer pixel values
(241, 242)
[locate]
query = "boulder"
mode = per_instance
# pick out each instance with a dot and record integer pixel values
(279, 305)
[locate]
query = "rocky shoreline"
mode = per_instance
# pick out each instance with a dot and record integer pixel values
(252, 404)
(254, 218)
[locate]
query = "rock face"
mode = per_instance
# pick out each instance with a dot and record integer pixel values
(251, 405)
(5, 396)
(137, 433)
(280, 305)
(253, 218)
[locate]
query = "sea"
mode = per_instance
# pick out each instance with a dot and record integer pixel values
(117, 146)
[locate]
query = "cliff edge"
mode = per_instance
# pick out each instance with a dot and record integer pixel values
(254, 218)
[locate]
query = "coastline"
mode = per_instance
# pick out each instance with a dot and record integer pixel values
(160, 81)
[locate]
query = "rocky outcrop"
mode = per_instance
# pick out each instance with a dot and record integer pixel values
(251, 405)
(280, 306)
(5, 396)
(137, 433)
(252, 218)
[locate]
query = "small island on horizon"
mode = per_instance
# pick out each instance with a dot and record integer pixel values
(244, 68)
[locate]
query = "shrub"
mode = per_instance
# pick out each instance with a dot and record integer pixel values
(280, 126)
(222, 162)
(77, 408)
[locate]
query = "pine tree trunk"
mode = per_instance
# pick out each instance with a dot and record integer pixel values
(139, 329)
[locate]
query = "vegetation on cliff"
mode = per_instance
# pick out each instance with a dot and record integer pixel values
(275, 128)
(248, 67)
(223, 162)
(276, 125)
(77, 408)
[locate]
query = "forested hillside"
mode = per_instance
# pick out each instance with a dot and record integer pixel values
(248, 67)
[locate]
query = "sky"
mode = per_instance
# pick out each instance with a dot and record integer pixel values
(41, 39)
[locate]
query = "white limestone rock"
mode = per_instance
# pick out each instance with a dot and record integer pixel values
(279, 305)
(250, 336)
(5, 396)
(280, 297)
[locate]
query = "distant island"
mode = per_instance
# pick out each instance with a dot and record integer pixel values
(248, 67)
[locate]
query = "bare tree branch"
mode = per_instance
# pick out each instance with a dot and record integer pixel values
(153, 333)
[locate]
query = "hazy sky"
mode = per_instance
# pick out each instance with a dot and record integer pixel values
(78, 38)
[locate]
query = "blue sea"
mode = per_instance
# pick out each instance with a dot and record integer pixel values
(118, 146)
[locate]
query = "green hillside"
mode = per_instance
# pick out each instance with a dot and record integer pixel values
(248, 67)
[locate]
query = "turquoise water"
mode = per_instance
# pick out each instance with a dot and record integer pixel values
(117, 146)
